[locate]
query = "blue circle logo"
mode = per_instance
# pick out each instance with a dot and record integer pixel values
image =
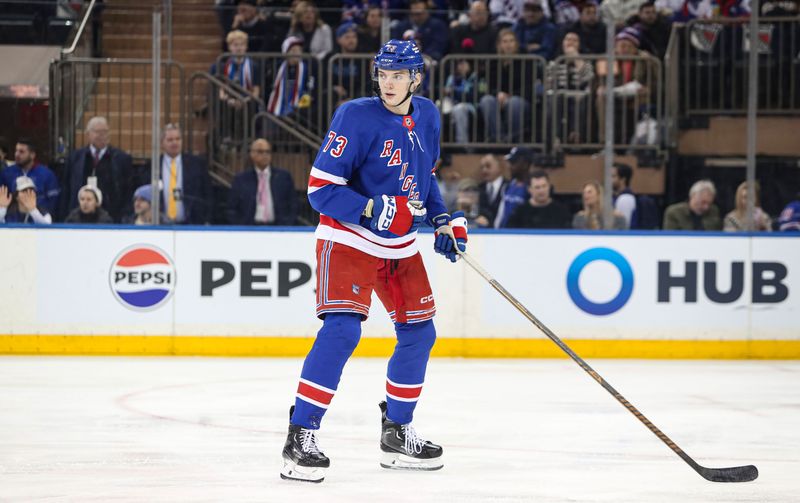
(617, 260)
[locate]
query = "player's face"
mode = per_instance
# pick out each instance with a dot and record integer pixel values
(394, 85)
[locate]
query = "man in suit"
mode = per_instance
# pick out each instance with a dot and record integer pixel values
(491, 190)
(262, 194)
(185, 184)
(102, 166)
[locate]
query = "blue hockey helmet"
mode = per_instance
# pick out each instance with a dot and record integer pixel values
(399, 55)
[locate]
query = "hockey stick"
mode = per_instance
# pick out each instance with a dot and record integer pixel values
(733, 474)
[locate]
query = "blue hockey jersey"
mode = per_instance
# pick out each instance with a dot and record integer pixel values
(370, 151)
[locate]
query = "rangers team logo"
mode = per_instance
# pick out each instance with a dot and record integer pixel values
(142, 277)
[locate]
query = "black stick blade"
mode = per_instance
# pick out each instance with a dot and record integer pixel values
(734, 474)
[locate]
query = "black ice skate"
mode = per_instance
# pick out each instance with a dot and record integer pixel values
(302, 458)
(404, 450)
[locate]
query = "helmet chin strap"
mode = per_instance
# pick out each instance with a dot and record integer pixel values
(409, 93)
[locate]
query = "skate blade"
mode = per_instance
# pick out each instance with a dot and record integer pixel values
(397, 461)
(291, 471)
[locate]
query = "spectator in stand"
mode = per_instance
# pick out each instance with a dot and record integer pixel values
(349, 75)
(536, 34)
(516, 193)
(316, 35)
(448, 179)
(461, 93)
(142, 209)
(736, 220)
(248, 20)
(506, 13)
(23, 207)
(624, 198)
(358, 10)
(590, 29)
(294, 82)
(540, 211)
(186, 194)
(567, 12)
(492, 188)
(3, 155)
(506, 100)
(620, 10)
(369, 35)
(789, 219)
(632, 88)
(433, 31)
(262, 194)
(655, 29)
(101, 165)
(47, 188)
(239, 67)
(570, 78)
(90, 208)
(483, 34)
(468, 200)
(591, 216)
(698, 214)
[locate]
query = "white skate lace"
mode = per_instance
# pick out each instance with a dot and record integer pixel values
(414, 442)
(308, 441)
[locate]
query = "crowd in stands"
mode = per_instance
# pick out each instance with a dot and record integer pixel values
(100, 185)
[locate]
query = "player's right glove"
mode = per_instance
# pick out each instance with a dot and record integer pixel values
(451, 231)
(395, 214)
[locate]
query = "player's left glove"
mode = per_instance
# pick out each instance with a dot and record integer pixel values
(451, 231)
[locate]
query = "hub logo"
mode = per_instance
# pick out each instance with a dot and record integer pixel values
(573, 285)
(142, 277)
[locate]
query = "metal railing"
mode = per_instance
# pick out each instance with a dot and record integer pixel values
(119, 90)
(289, 86)
(227, 109)
(79, 38)
(709, 66)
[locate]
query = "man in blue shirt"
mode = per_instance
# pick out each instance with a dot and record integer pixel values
(433, 31)
(47, 188)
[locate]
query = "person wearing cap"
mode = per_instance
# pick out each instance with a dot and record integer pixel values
(316, 36)
(516, 193)
(536, 34)
(589, 28)
(634, 84)
(349, 80)
(44, 180)
(433, 32)
(22, 207)
(142, 208)
(294, 82)
(102, 165)
(90, 208)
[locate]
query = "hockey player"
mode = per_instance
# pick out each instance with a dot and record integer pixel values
(373, 184)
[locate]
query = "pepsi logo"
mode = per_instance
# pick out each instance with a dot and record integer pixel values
(142, 277)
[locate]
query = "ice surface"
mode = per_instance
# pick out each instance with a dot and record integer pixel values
(211, 429)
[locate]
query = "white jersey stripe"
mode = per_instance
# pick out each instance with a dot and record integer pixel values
(311, 401)
(322, 175)
(401, 399)
(403, 385)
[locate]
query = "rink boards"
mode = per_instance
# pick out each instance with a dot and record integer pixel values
(204, 291)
